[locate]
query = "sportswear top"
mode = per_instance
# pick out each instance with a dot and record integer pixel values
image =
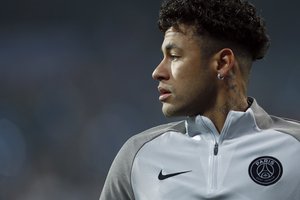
(255, 157)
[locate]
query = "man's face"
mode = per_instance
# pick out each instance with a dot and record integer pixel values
(186, 80)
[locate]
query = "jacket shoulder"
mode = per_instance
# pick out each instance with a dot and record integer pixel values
(288, 126)
(266, 121)
(118, 182)
(153, 132)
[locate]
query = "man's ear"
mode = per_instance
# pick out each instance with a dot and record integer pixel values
(226, 60)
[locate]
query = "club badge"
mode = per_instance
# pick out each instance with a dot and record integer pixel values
(265, 170)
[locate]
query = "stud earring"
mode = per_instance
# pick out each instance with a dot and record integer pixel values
(220, 77)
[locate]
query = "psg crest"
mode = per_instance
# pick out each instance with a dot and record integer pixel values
(265, 170)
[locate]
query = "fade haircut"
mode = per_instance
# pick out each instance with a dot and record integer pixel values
(224, 21)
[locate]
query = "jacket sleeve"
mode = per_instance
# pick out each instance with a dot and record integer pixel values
(117, 185)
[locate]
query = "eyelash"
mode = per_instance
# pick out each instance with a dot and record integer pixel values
(174, 58)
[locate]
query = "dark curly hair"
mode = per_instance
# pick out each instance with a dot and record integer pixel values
(226, 20)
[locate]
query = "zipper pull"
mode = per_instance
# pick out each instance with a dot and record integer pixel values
(216, 149)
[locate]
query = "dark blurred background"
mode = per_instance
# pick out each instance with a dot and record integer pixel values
(75, 83)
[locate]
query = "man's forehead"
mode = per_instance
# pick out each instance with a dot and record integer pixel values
(171, 35)
(171, 41)
(175, 36)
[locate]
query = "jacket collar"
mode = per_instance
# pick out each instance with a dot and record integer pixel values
(239, 123)
(236, 124)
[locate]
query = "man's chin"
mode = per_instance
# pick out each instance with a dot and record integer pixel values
(170, 111)
(167, 111)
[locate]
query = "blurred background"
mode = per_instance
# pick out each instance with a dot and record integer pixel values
(75, 83)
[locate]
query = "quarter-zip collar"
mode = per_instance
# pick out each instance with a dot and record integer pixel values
(236, 124)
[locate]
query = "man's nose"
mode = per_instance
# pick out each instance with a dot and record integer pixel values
(160, 72)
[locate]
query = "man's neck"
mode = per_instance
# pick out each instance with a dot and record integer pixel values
(223, 106)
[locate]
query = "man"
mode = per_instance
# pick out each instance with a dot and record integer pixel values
(228, 147)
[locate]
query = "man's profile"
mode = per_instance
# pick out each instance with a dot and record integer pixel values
(228, 147)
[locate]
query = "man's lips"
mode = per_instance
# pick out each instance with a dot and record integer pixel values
(164, 93)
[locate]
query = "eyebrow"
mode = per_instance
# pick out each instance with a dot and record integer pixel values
(171, 46)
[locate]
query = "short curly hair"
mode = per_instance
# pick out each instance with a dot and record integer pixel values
(230, 20)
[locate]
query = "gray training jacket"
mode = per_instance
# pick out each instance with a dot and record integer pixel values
(256, 157)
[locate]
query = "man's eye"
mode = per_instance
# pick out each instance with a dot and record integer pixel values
(174, 57)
